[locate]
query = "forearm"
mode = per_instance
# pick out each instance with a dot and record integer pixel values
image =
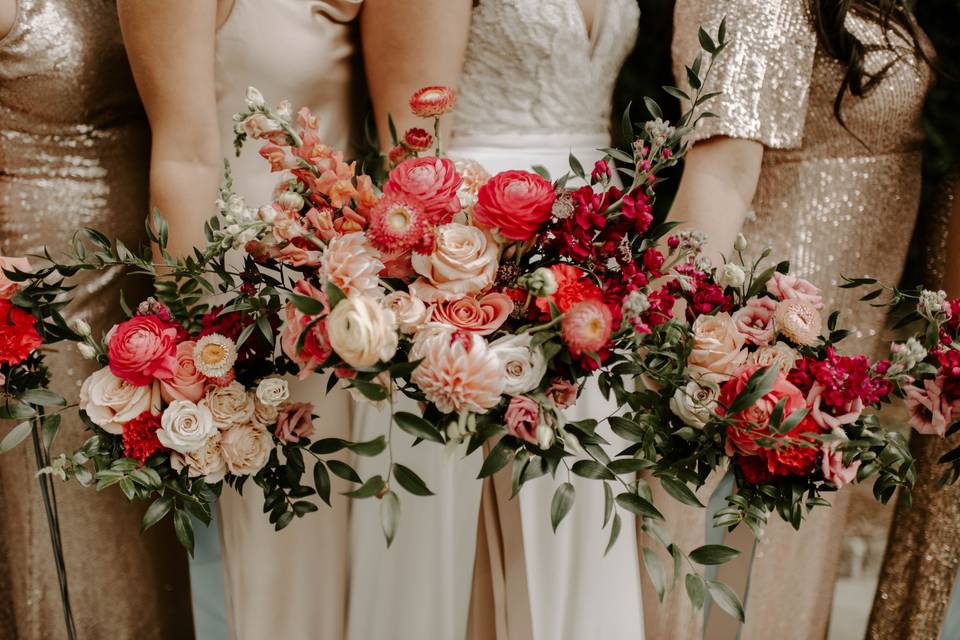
(184, 191)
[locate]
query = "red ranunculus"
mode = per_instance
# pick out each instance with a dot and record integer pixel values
(140, 437)
(515, 202)
(18, 334)
(143, 349)
(430, 182)
(793, 453)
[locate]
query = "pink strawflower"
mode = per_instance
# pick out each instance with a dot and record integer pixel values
(586, 327)
(397, 224)
(430, 102)
(522, 418)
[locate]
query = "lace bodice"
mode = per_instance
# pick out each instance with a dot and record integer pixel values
(532, 67)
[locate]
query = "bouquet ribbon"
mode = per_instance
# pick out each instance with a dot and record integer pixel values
(499, 570)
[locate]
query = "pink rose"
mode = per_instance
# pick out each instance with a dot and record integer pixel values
(563, 393)
(522, 418)
(515, 202)
(483, 316)
(833, 468)
(464, 261)
(431, 182)
(186, 383)
(7, 286)
(294, 422)
(930, 410)
(787, 287)
(755, 320)
(316, 345)
(143, 349)
(717, 347)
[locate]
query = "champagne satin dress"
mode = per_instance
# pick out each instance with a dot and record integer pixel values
(291, 584)
(832, 200)
(74, 148)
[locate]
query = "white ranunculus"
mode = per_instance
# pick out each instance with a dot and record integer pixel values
(523, 366)
(206, 462)
(186, 426)
(694, 403)
(362, 332)
(273, 391)
(230, 404)
(111, 402)
(246, 448)
(410, 311)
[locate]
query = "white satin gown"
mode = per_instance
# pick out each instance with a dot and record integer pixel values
(535, 87)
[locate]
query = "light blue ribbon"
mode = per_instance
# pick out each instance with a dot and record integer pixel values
(207, 590)
(951, 625)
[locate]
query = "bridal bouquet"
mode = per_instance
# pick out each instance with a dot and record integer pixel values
(753, 377)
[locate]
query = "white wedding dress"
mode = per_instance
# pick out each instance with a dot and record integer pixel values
(536, 86)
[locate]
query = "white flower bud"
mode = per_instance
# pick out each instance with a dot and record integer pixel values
(285, 110)
(740, 244)
(931, 304)
(87, 351)
(81, 327)
(545, 436)
(731, 275)
(254, 98)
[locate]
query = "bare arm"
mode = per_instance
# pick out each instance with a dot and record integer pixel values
(170, 44)
(408, 45)
(8, 14)
(717, 187)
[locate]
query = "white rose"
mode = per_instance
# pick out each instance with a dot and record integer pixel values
(206, 462)
(410, 311)
(185, 426)
(110, 402)
(464, 261)
(273, 391)
(731, 275)
(362, 332)
(523, 367)
(694, 404)
(230, 404)
(246, 448)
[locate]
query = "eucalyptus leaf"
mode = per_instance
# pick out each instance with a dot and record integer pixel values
(710, 554)
(593, 470)
(389, 515)
(410, 481)
(655, 571)
(678, 490)
(42, 397)
(561, 504)
(184, 529)
(726, 598)
(321, 481)
(417, 426)
(15, 436)
(155, 512)
(696, 590)
(370, 488)
(638, 506)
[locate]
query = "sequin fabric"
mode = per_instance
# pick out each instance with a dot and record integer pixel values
(74, 149)
(923, 551)
(834, 200)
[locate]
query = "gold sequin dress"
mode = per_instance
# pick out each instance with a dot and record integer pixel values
(74, 148)
(832, 200)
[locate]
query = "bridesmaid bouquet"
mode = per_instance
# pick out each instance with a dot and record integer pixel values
(752, 378)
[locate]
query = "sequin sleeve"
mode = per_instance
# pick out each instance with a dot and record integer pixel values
(764, 72)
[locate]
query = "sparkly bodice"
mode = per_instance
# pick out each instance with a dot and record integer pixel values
(834, 200)
(532, 67)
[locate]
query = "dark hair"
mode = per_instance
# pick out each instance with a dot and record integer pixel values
(829, 19)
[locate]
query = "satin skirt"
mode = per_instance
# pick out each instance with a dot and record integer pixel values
(421, 587)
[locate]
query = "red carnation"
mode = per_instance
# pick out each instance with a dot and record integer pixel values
(18, 334)
(792, 453)
(430, 102)
(140, 437)
(573, 286)
(515, 202)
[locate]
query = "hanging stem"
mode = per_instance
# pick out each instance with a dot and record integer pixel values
(53, 521)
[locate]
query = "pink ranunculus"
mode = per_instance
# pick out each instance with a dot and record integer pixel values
(516, 203)
(787, 287)
(828, 420)
(834, 470)
(187, 383)
(481, 315)
(294, 422)
(755, 320)
(930, 410)
(430, 182)
(522, 418)
(7, 286)
(563, 393)
(143, 349)
(316, 345)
